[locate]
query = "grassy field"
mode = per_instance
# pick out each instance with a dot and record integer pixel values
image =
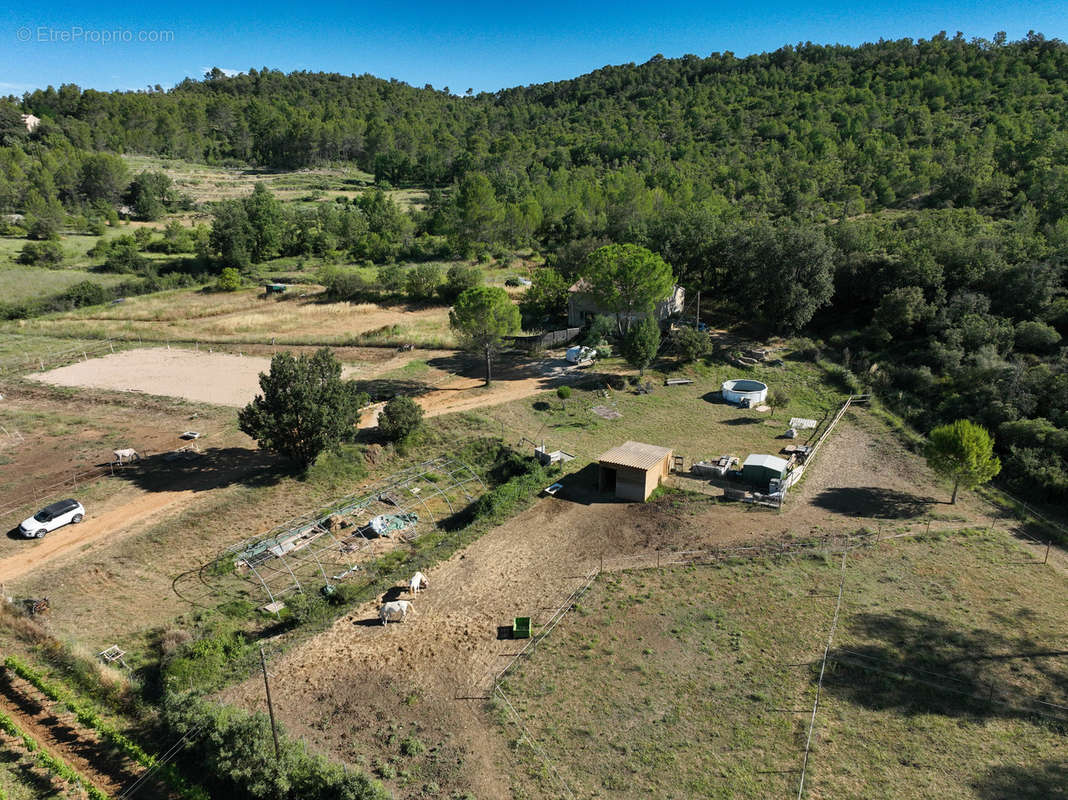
(698, 682)
(245, 316)
(206, 183)
(712, 427)
(26, 283)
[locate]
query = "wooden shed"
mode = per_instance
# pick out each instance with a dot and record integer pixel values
(632, 470)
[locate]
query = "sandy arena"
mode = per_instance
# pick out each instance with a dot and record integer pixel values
(231, 380)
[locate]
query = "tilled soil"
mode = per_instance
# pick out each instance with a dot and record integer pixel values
(60, 735)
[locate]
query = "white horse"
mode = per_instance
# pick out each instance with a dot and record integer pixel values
(418, 582)
(395, 611)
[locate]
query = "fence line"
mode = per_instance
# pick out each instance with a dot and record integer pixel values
(1054, 524)
(532, 644)
(819, 684)
(43, 362)
(38, 495)
(533, 745)
(796, 474)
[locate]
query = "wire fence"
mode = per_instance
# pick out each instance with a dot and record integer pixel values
(77, 477)
(56, 358)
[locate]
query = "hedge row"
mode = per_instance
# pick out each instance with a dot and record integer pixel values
(90, 293)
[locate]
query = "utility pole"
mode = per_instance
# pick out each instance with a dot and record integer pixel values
(270, 708)
(698, 308)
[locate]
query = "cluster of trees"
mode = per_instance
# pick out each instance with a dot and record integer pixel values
(906, 202)
(803, 127)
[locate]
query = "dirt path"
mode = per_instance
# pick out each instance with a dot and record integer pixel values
(467, 393)
(77, 538)
(449, 649)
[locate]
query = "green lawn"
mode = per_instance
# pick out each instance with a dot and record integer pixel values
(699, 682)
(713, 428)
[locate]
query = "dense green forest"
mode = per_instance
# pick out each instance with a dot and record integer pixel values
(903, 204)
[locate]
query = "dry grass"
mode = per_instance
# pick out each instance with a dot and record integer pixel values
(247, 317)
(698, 682)
(208, 184)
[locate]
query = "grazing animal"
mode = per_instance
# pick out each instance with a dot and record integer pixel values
(395, 611)
(418, 582)
(126, 456)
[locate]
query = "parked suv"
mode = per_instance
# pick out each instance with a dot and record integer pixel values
(51, 517)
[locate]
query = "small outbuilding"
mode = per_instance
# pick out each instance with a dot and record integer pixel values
(759, 470)
(633, 470)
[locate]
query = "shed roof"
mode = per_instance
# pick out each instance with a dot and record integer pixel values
(635, 455)
(772, 462)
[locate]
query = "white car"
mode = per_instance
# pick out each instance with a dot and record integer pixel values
(51, 517)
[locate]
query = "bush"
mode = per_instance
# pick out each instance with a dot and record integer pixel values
(85, 293)
(392, 278)
(690, 343)
(229, 280)
(602, 327)
(235, 758)
(458, 279)
(121, 255)
(41, 254)
(422, 281)
(806, 349)
(344, 284)
(400, 418)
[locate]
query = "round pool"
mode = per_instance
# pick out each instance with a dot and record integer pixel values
(739, 389)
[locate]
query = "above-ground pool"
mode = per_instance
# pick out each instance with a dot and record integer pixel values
(739, 389)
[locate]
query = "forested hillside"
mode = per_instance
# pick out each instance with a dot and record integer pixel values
(905, 203)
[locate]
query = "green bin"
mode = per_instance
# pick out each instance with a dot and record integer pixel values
(521, 628)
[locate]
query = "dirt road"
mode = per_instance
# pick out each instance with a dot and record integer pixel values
(77, 538)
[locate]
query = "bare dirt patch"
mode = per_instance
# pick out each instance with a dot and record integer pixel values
(232, 380)
(217, 378)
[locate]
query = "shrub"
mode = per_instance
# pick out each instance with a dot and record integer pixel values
(690, 343)
(422, 281)
(229, 280)
(601, 328)
(41, 254)
(234, 755)
(85, 293)
(392, 278)
(400, 418)
(458, 279)
(121, 255)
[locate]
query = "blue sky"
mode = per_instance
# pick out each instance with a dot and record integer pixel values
(485, 46)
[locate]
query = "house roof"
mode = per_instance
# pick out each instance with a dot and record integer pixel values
(771, 462)
(581, 285)
(635, 455)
